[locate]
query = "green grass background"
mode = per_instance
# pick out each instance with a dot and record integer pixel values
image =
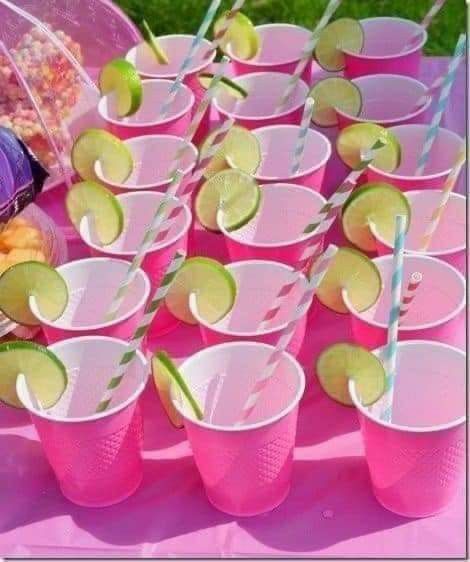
(184, 16)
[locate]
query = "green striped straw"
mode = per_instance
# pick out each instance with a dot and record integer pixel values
(390, 357)
(449, 79)
(302, 136)
(136, 340)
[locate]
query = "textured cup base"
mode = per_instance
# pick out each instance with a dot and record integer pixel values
(249, 513)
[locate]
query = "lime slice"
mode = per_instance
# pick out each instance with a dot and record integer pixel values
(98, 145)
(240, 150)
(373, 203)
(205, 78)
(213, 285)
(90, 198)
(341, 362)
(332, 93)
(32, 279)
(234, 192)
(354, 141)
(240, 39)
(45, 374)
(345, 34)
(153, 43)
(121, 77)
(166, 374)
(354, 272)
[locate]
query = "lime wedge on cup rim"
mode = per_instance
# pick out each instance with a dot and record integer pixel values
(240, 149)
(212, 284)
(235, 90)
(90, 198)
(241, 39)
(338, 36)
(334, 93)
(121, 78)
(45, 374)
(375, 204)
(342, 362)
(152, 42)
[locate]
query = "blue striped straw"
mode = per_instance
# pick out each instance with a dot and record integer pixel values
(390, 358)
(441, 104)
(173, 91)
(302, 137)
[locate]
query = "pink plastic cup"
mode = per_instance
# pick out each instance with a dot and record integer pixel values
(276, 231)
(277, 148)
(382, 53)
(437, 312)
(91, 284)
(449, 240)
(246, 470)
(417, 461)
(388, 100)
(258, 283)
(442, 158)
(139, 208)
(281, 45)
(258, 109)
(146, 120)
(153, 157)
(96, 458)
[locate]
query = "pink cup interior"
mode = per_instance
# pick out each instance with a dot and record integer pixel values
(176, 47)
(429, 389)
(221, 378)
(154, 95)
(389, 97)
(139, 209)
(153, 157)
(258, 283)
(284, 212)
(440, 297)
(277, 147)
(264, 92)
(443, 153)
(92, 284)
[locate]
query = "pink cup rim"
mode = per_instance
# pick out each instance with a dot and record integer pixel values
(258, 63)
(432, 253)
(253, 426)
(170, 76)
(411, 115)
(410, 328)
(121, 318)
(287, 243)
(255, 118)
(148, 186)
(226, 332)
(425, 177)
(97, 416)
(417, 47)
(172, 117)
(406, 428)
(154, 247)
(300, 173)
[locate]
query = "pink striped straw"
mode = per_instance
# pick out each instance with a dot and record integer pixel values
(410, 294)
(219, 36)
(320, 268)
(425, 23)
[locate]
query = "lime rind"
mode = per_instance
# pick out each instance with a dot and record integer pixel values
(234, 89)
(331, 94)
(152, 42)
(163, 385)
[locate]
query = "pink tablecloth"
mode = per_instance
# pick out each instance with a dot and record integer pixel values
(330, 511)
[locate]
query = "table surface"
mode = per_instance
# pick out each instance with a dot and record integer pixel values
(330, 511)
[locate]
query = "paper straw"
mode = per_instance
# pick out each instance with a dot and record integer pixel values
(441, 104)
(219, 36)
(147, 242)
(425, 23)
(302, 137)
(408, 297)
(307, 52)
(318, 273)
(150, 310)
(322, 224)
(445, 196)
(199, 114)
(390, 358)
(207, 20)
